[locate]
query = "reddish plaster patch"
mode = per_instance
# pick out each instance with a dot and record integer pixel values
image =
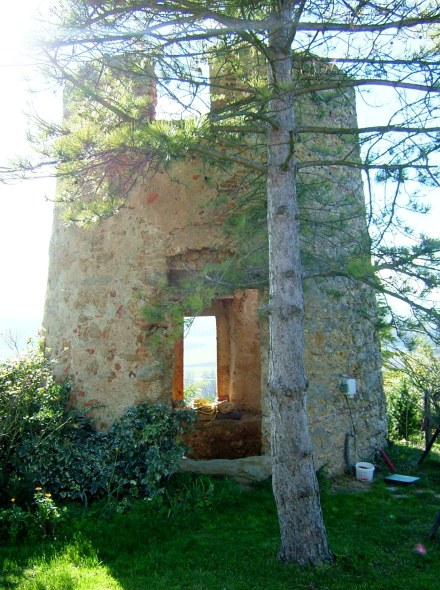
(112, 293)
(152, 197)
(120, 311)
(90, 350)
(92, 402)
(196, 176)
(118, 367)
(81, 394)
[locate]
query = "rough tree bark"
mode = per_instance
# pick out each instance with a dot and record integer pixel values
(303, 534)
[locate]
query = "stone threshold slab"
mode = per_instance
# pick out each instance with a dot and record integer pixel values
(245, 470)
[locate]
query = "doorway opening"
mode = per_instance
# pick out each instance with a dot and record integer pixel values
(219, 358)
(235, 358)
(200, 358)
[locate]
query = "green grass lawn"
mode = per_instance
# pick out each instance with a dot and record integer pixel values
(215, 535)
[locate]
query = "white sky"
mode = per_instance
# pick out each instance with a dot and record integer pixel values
(200, 346)
(25, 214)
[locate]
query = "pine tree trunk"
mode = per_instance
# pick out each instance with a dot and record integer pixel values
(303, 534)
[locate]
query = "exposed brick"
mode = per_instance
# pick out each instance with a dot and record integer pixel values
(92, 402)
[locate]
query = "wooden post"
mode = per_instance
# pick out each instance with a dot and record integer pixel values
(428, 446)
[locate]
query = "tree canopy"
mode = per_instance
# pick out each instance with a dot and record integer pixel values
(373, 48)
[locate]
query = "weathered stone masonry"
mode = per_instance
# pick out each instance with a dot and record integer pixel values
(94, 324)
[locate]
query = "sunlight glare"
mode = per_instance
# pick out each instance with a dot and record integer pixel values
(15, 24)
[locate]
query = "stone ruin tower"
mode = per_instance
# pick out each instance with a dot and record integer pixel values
(116, 358)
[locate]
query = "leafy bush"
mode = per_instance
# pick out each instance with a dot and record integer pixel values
(143, 448)
(45, 443)
(73, 463)
(130, 460)
(32, 407)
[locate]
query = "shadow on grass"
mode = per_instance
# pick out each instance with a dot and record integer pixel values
(214, 535)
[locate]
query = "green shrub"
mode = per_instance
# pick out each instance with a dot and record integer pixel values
(144, 448)
(73, 463)
(130, 460)
(45, 443)
(404, 412)
(32, 407)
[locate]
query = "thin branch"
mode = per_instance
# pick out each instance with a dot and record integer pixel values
(336, 85)
(364, 166)
(361, 130)
(218, 154)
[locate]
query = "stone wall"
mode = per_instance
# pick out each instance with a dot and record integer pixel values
(100, 278)
(93, 315)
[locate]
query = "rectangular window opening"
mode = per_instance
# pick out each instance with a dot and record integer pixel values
(200, 358)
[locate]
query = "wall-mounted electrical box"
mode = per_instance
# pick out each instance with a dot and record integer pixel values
(348, 386)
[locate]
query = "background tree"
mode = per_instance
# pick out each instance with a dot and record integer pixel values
(322, 49)
(404, 409)
(418, 367)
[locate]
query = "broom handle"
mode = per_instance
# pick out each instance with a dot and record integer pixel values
(387, 460)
